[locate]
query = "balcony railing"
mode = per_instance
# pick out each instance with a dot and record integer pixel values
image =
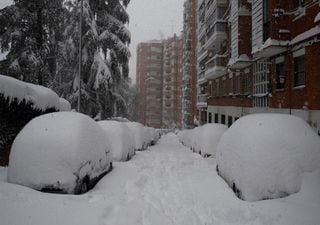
(202, 100)
(215, 67)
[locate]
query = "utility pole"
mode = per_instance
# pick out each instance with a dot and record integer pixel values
(80, 57)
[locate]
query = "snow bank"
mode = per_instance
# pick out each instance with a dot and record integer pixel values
(57, 150)
(121, 139)
(138, 132)
(264, 156)
(41, 97)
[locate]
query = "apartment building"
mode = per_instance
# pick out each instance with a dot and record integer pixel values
(149, 77)
(172, 82)
(271, 62)
(189, 78)
(159, 82)
(212, 48)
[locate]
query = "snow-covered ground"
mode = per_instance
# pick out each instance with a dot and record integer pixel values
(166, 185)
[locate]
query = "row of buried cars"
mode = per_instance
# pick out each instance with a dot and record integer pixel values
(68, 152)
(261, 156)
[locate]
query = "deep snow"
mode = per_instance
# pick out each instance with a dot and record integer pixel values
(164, 185)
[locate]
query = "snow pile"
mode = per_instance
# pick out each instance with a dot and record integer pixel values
(64, 105)
(58, 150)
(264, 156)
(139, 134)
(121, 139)
(41, 97)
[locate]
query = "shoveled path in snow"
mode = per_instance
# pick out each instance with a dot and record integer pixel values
(165, 185)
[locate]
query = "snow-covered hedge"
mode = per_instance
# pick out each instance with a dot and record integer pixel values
(121, 139)
(20, 102)
(264, 156)
(204, 139)
(62, 151)
(41, 97)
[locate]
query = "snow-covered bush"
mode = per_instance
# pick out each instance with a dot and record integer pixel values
(264, 156)
(64, 152)
(121, 139)
(194, 139)
(209, 137)
(139, 134)
(20, 102)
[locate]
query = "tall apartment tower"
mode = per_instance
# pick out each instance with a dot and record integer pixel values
(264, 58)
(149, 83)
(172, 82)
(212, 47)
(189, 78)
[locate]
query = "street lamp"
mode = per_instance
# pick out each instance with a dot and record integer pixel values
(80, 57)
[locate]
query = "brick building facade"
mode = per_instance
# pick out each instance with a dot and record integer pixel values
(189, 78)
(272, 54)
(149, 83)
(159, 82)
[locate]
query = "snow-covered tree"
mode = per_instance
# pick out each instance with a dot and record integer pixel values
(27, 31)
(105, 55)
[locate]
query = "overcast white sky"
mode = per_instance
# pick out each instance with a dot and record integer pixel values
(148, 20)
(151, 18)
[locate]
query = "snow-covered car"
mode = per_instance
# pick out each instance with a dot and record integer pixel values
(64, 152)
(139, 134)
(264, 156)
(209, 137)
(121, 139)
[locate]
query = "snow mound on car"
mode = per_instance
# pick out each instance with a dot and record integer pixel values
(121, 139)
(264, 156)
(57, 148)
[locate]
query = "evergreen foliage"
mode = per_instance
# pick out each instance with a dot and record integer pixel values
(42, 40)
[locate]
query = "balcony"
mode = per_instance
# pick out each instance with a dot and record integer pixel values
(201, 77)
(216, 34)
(216, 67)
(240, 62)
(202, 101)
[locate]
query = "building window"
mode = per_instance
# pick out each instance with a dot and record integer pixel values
(280, 75)
(216, 118)
(235, 119)
(231, 86)
(266, 20)
(299, 71)
(246, 83)
(223, 119)
(229, 121)
(210, 117)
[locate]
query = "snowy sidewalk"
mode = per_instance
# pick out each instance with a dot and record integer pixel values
(165, 185)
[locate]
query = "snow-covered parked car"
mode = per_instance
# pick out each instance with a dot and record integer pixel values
(153, 135)
(209, 137)
(139, 134)
(121, 139)
(64, 152)
(264, 156)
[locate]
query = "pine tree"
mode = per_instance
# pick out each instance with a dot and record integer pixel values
(26, 31)
(105, 54)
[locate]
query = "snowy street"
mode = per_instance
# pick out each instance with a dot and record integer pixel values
(167, 185)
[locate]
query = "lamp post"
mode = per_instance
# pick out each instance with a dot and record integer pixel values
(80, 57)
